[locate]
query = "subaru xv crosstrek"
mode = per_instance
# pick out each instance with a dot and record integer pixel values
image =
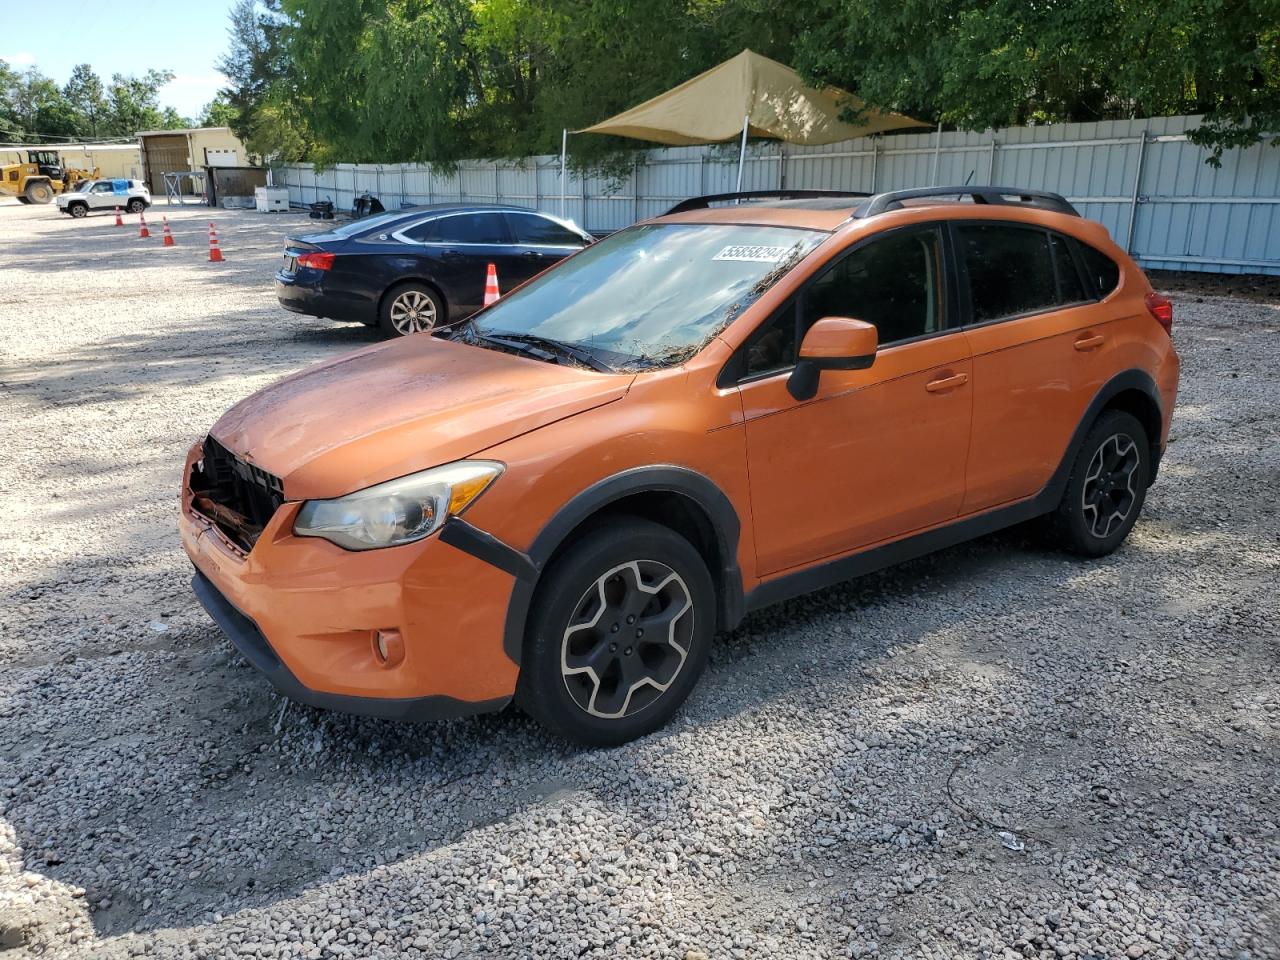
(743, 400)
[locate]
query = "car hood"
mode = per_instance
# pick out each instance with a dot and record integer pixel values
(391, 409)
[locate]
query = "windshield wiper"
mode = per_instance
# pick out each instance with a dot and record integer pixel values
(525, 340)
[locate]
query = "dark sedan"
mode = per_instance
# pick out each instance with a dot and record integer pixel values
(419, 269)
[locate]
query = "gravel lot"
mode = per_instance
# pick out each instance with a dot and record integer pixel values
(993, 752)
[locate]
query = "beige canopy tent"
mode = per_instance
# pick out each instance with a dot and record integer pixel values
(748, 95)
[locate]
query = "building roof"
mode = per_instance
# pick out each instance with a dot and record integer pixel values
(161, 133)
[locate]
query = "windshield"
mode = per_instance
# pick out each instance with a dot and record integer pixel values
(652, 295)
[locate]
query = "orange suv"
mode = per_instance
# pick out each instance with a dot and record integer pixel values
(748, 398)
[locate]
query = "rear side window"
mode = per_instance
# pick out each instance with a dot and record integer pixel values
(1010, 270)
(473, 228)
(1070, 287)
(1104, 271)
(533, 229)
(424, 232)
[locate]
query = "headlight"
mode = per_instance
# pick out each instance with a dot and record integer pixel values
(398, 511)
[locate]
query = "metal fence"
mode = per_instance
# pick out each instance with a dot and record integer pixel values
(1141, 178)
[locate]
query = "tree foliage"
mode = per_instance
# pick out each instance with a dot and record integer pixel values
(992, 63)
(438, 80)
(34, 109)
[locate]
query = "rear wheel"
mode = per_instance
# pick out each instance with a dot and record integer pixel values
(136, 205)
(619, 632)
(39, 191)
(1107, 487)
(410, 308)
(78, 210)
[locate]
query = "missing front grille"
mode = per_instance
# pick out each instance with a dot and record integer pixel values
(238, 497)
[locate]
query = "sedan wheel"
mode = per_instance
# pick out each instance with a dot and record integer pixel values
(412, 309)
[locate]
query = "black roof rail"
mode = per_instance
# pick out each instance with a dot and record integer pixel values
(883, 202)
(701, 203)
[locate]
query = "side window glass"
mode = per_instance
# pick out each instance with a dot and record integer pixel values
(1070, 288)
(424, 232)
(532, 229)
(1105, 273)
(895, 283)
(474, 228)
(773, 346)
(1010, 270)
(102, 188)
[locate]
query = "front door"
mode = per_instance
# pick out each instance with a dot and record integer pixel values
(877, 453)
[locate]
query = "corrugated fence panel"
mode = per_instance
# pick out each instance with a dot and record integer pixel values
(1185, 215)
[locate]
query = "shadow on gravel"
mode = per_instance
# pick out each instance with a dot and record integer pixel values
(222, 347)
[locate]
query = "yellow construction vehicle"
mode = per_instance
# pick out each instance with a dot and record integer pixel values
(41, 177)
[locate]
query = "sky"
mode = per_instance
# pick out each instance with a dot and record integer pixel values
(187, 38)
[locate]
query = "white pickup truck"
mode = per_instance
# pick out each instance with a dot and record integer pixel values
(131, 195)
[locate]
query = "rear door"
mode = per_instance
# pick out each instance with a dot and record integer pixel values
(460, 247)
(541, 242)
(1036, 337)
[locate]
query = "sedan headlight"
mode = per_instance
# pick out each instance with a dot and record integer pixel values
(398, 511)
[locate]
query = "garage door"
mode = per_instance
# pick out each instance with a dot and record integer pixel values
(164, 155)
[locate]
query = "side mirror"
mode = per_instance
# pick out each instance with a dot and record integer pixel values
(833, 343)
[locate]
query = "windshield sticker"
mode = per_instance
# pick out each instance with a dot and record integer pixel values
(752, 253)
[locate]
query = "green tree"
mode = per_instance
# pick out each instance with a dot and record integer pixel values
(264, 108)
(991, 63)
(218, 112)
(133, 104)
(87, 98)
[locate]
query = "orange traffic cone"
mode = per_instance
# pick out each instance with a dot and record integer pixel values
(168, 237)
(143, 232)
(215, 255)
(491, 293)
(119, 219)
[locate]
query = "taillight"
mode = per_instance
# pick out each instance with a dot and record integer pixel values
(1162, 310)
(320, 261)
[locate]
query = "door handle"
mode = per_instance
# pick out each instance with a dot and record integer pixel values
(532, 255)
(1090, 342)
(947, 383)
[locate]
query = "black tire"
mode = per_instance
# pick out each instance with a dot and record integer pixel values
(409, 308)
(22, 199)
(640, 682)
(78, 210)
(1106, 489)
(39, 191)
(136, 205)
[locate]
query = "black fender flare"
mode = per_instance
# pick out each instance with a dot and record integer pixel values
(665, 478)
(1127, 380)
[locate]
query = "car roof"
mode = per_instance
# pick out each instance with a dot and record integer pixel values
(829, 210)
(465, 208)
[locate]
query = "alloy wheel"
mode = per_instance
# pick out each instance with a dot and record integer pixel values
(413, 312)
(1108, 494)
(627, 639)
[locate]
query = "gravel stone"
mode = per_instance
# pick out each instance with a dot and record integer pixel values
(838, 785)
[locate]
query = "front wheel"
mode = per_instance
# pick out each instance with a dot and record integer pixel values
(1107, 487)
(619, 632)
(78, 210)
(410, 308)
(39, 191)
(136, 205)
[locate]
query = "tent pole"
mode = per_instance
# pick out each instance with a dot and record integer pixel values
(564, 157)
(937, 150)
(742, 152)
